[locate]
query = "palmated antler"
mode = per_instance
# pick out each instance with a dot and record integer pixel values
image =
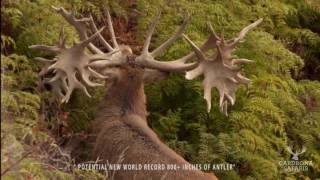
(68, 64)
(222, 72)
(71, 66)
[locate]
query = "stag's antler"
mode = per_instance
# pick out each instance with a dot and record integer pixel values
(222, 72)
(69, 62)
(72, 63)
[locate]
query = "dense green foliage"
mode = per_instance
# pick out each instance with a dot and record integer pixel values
(280, 108)
(31, 118)
(275, 111)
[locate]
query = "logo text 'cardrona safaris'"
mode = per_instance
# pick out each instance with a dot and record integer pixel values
(295, 165)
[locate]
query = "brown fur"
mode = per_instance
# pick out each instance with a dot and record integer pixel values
(124, 137)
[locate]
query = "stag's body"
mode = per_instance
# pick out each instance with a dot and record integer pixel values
(123, 135)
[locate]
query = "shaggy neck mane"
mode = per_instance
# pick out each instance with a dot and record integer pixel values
(126, 95)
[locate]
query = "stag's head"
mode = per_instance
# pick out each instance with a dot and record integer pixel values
(74, 68)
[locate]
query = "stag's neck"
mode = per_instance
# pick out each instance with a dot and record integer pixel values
(125, 96)
(125, 106)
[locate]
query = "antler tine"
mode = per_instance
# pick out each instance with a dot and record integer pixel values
(79, 25)
(111, 30)
(62, 38)
(210, 43)
(95, 29)
(73, 83)
(244, 31)
(59, 87)
(172, 39)
(44, 60)
(151, 28)
(51, 49)
(212, 31)
(195, 48)
(241, 61)
(87, 41)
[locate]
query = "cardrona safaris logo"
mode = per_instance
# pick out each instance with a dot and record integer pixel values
(296, 163)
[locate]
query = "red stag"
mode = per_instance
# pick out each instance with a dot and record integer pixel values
(121, 129)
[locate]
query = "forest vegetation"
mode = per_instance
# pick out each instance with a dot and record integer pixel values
(280, 108)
